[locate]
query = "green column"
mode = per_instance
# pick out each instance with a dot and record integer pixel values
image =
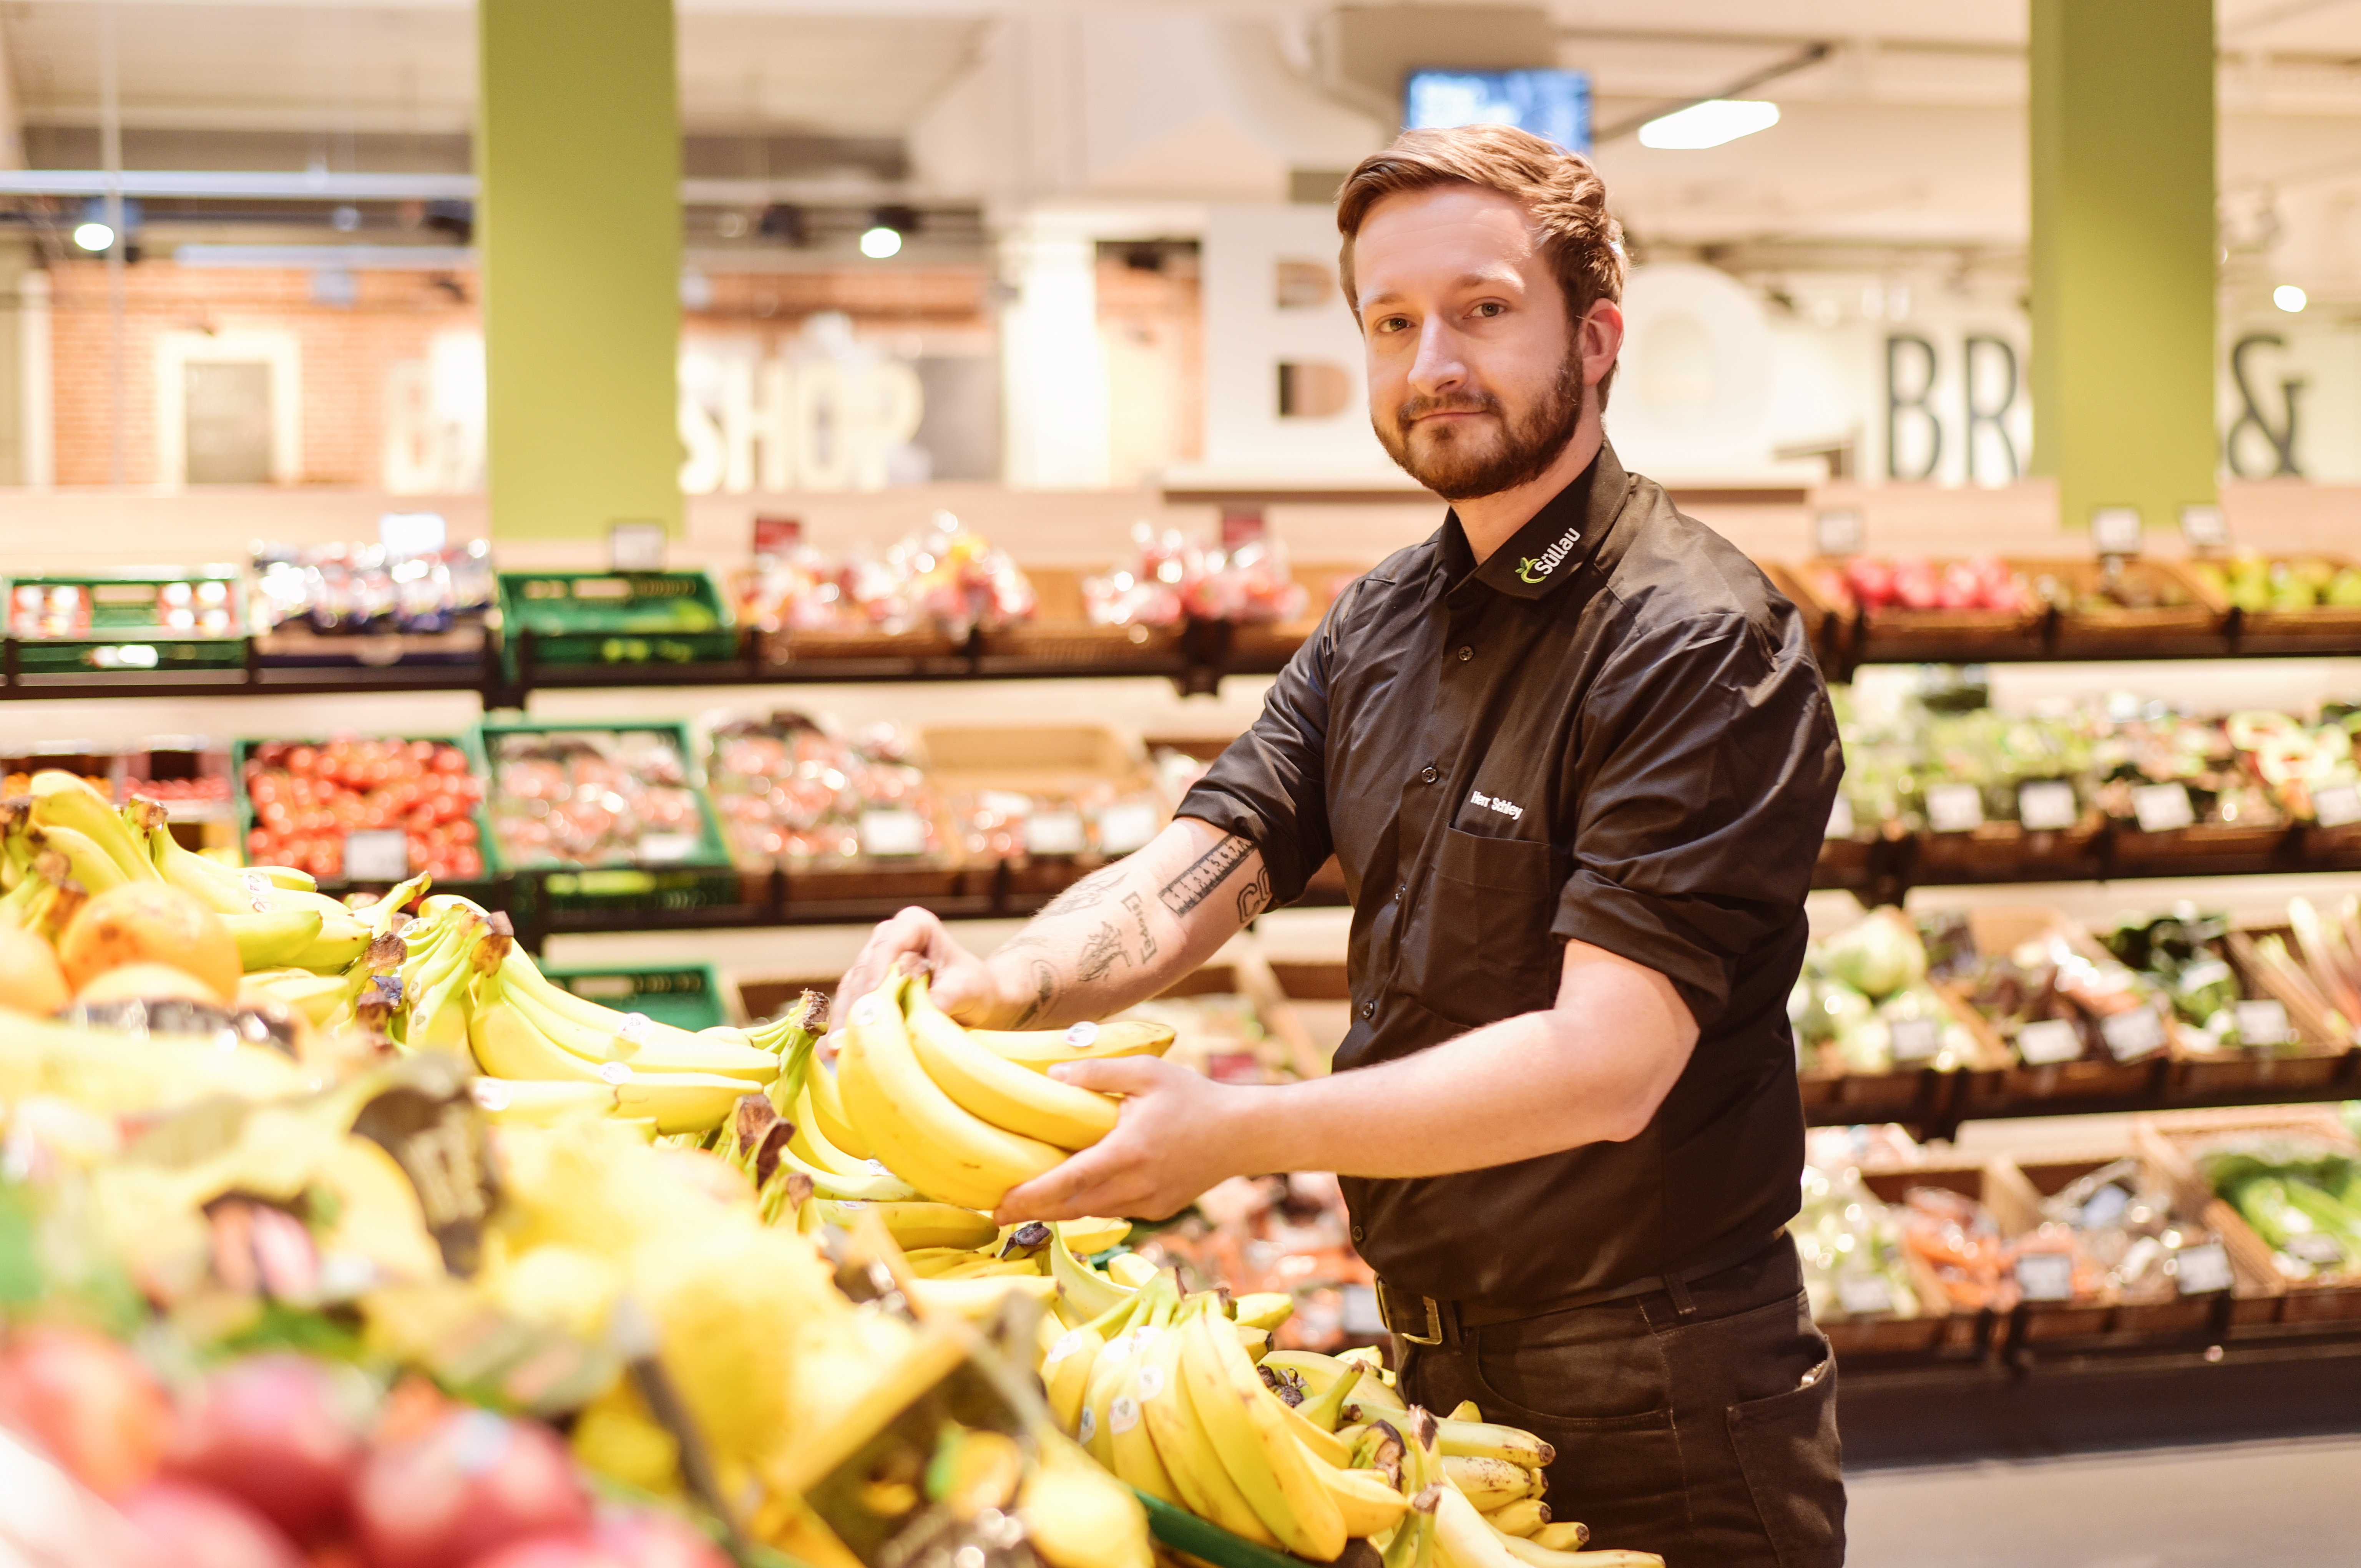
(577, 147)
(2123, 254)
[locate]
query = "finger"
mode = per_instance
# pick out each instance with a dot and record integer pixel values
(1058, 1193)
(912, 930)
(963, 990)
(1112, 1075)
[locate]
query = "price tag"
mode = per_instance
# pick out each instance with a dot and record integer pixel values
(667, 847)
(1841, 824)
(2337, 805)
(2162, 808)
(2200, 1271)
(2133, 1034)
(1864, 1295)
(412, 533)
(1836, 531)
(2263, 1022)
(2198, 976)
(2048, 1042)
(1361, 1317)
(2115, 530)
(887, 832)
(1915, 1039)
(2205, 528)
(1126, 826)
(2046, 806)
(2046, 1276)
(1054, 833)
(635, 546)
(376, 854)
(777, 535)
(2314, 1248)
(1955, 808)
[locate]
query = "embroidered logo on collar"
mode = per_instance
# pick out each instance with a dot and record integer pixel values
(1534, 569)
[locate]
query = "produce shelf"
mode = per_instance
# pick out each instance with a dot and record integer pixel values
(1933, 1104)
(1882, 869)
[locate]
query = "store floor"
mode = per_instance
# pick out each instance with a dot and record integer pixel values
(2288, 1503)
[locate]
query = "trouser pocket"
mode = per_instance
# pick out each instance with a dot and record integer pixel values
(1786, 1448)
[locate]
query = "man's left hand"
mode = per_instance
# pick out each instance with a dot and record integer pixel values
(1173, 1140)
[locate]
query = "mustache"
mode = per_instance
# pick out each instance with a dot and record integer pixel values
(1419, 408)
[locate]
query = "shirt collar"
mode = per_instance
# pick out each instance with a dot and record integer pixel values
(1547, 551)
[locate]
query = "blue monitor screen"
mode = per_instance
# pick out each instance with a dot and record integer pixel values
(1552, 103)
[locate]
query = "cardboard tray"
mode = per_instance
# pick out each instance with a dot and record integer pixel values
(1061, 632)
(1042, 759)
(2325, 630)
(2004, 851)
(2197, 628)
(470, 746)
(1942, 1328)
(1916, 1095)
(1987, 1093)
(1918, 636)
(2321, 1054)
(2174, 1141)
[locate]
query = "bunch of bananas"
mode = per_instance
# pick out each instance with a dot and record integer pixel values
(1292, 1450)
(962, 1115)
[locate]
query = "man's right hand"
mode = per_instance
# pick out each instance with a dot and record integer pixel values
(960, 983)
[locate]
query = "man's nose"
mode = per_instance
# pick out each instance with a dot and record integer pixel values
(1438, 368)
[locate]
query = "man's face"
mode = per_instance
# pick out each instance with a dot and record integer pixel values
(1476, 384)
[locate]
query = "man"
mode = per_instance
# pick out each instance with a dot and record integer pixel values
(1575, 761)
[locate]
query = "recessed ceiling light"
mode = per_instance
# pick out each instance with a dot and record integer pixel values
(1710, 123)
(881, 242)
(93, 238)
(2289, 298)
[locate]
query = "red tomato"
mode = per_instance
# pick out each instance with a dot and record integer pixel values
(303, 760)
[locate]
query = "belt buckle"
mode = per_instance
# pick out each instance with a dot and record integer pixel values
(1433, 1335)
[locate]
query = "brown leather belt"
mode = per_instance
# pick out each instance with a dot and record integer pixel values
(1403, 1314)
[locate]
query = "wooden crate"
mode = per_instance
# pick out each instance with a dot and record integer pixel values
(1992, 1091)
(1894, 635)
(2320, 1054)
(1061, 632)
(1945, 1328)
(2176, 1140)
(2197, 628)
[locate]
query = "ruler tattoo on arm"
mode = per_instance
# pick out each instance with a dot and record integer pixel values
(1212, 868)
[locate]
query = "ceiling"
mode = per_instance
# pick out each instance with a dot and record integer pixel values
(1905, 140)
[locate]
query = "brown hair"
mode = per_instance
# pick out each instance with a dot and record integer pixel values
(1563, 193)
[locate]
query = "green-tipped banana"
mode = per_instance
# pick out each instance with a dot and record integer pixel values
(273, 938)
(1082, 1292)
(1325, 1410)
(1484, 1440)
(66, 801)
(1263, 1309)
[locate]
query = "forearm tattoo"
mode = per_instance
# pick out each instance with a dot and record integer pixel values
(1045, 993)
(1255, 898)
(1086, 893)
(1101, 953)
(1212, 868)
(1139, 907)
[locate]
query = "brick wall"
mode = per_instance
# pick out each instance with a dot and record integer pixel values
(347, 356)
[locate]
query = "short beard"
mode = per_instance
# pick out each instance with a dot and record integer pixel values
(1450, 464)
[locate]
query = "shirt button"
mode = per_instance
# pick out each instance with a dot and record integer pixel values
(1359, 1234)
(1427, 773)
(1466, 652)
(1400, 891)
(1368, 1009)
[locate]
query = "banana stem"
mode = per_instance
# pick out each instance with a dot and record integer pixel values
(1328, 1409)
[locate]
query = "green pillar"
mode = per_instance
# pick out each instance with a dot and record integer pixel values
(2123, 254)
(578, 149)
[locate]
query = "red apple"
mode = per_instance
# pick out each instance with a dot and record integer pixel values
(89, 1402)
(470, 1484)
(278, 1431)
(198, 1527)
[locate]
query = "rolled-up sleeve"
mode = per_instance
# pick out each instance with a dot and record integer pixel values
(1707, 760)
(1270, 784)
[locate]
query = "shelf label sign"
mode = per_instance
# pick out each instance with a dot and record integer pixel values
(2133, 1034)
(2046, 1276)
(2163, 809)
(667, 847)
(2048, 1042)
(890, 833)
(2337, 805)
(380, 854)
(2200, 1271)
(2115, 530)
(2263, 1022)
(1840, 823)
(1864, 1295)
(2205, 528)
(1955, 808)
(1915, 1039)
(1836, 531)
(1125, 826)
(2046, 806)
(1054, 833)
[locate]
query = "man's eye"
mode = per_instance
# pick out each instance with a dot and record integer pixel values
(1393, 324)
(1491, 308)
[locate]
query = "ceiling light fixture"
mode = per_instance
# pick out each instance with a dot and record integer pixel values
(1710, 123)
(881, 242)
(2289, 298)
(94, 237)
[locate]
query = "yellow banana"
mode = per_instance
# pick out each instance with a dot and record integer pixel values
(1111, 1379)
(1562, 1535)
(1247, 1426)
(341, 939)
(1488, 1483)
(679, 1101)
(915, 1128)
(219, 888)
(1082, 1292)
(524, 978)
(316, 996)
(1368, 1505)
(815, 1146)
(1131, 1271)
(921, 1224)
(1087, 1237)
(507, 1046)
(827, 1086)
(67, 801)
(882, 1187)
(1042, 1050)
(1322, 1444)
(999, 1090)
(1520, 1518)
(86, 862)
(271, 938)
(1326, 1410)
(640, 1044)
(1480, 1440)
(543, 1104)
(1263, 1309)
(1196, 1471)
(1466, 1410)
(1066, 1367)
(1320, 1372)
(1465, 1541)
(1255, 1343)
(1135, 1459)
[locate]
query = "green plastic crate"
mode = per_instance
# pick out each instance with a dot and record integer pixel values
(578, 618)
(686, 996)
(703, 878)
(469, 746)
(126, 633)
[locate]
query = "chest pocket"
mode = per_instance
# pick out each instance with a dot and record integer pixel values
(1478, 948)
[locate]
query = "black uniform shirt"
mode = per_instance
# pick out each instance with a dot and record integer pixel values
(1612, 731)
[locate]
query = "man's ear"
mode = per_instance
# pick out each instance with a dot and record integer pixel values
(1601, 339)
